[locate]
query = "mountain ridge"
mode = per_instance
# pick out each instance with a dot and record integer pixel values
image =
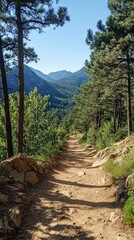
(57, 89)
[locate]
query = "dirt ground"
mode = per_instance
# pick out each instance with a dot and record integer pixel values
(75, 201)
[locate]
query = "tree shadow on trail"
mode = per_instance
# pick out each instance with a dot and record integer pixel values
(63, 182)
(49, 217)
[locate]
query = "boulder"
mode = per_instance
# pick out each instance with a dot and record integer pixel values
(100, 162)
(16, 216)
(20, 164)
(18, 176)
(31, 178)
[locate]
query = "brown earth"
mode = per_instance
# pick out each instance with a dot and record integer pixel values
(75, 201)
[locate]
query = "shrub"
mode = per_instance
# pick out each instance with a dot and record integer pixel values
(129, 210)
(105, 136)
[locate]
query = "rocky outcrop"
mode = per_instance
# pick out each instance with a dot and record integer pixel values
(16, 175)
(24, 169)
(115, 153)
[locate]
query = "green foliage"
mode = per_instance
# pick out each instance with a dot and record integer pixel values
(129, 210)
(103, 106)
(125, 168)
(104, 135)
(129, 205)
(43, 134)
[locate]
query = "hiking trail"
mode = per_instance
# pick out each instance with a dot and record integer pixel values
(75, 201)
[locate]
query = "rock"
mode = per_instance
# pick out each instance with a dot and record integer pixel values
(18, 200)
(91, 153)
(129, 180)
(87, 147)
(121, 237)
(31, 178)
(4, 198)
(6, 166)
(66, 193)
(113, 217)
(52, 232)
(53, 224)
(80, 174)
(71, 211)
(18, 176)
(20, 164)
(100, 162)
(125, 150)
(16, 216)
(26, 200)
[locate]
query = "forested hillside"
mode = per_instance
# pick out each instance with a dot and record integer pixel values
(104, 106)
(32, 80)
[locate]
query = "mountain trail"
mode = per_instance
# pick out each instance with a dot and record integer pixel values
(75, 201)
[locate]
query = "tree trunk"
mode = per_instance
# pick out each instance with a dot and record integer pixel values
(129, 114)
(21, 78)
(115, 116)
(119, 113)
(6, 104)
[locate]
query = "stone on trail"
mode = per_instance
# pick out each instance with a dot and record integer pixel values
(121, 237)
(66, 193)
(72, 210)
(80, 174)
(113, 217)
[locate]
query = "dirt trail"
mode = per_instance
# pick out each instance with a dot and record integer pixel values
(75, 202)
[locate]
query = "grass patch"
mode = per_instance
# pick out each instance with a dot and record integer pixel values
(129, 204)
(123, 169)
(129, 210)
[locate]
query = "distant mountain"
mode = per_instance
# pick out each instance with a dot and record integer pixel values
(62, 87)
(32, 80)
(74, 81)
(59, 75)
(42, 75)
(80, 73)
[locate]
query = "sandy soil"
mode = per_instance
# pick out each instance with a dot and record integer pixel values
(75, 201)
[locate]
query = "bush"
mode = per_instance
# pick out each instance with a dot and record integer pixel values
(120, 134)
(105, 136)
(129, 210)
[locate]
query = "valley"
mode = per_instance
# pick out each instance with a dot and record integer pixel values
(60, 86)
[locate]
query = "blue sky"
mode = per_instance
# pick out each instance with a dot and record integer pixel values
(64, 48)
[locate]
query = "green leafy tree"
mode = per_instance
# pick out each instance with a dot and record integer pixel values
(35, 123)
(27, 16)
